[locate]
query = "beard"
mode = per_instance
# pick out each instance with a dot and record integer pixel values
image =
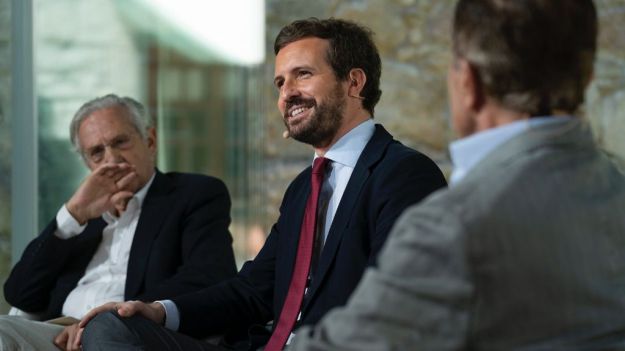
(324, 121)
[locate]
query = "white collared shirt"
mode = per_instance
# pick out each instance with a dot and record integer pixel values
(344, 154)
(469, 151)
(105, 276)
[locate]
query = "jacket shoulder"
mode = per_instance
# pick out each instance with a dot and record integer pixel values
(193, 179)
(399, 155)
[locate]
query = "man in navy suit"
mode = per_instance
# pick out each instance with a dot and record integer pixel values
(128, 232)
(327, 74)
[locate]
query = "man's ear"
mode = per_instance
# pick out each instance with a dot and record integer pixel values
(356, 82)
(470, 85)
(151, 139)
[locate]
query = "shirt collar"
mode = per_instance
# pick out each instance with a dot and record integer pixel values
(138, 198)
(347, 150)
(467, 152)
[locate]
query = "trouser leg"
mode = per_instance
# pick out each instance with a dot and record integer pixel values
(109, 331)
(17, 334)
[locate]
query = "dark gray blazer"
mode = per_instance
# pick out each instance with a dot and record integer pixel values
(526, 253)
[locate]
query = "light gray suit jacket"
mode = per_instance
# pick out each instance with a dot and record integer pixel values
(526, 253)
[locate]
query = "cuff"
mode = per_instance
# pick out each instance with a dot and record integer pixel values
(66, 225)
(172, 316)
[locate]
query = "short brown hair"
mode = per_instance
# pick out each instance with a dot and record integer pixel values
(351, 46)
(532, 56)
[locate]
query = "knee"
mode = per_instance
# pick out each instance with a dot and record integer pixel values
(102, 327)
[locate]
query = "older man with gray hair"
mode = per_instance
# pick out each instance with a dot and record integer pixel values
(128, 232)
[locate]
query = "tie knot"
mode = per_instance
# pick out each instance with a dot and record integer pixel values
(319, 165)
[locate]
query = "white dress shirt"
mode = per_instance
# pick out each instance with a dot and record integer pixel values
(344, 154)
(105, 276)
(469, 151)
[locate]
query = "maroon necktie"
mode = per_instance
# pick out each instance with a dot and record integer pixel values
(294, 297)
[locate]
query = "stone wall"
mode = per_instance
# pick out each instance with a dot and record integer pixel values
(413, 37)
(605, 98)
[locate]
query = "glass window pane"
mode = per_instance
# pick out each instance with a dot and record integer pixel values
(195, 83)
(5, 144)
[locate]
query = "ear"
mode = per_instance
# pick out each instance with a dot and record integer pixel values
(468, 83)
(356, 82)
(151, 139)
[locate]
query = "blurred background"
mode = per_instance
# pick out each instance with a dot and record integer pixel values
(204, 70)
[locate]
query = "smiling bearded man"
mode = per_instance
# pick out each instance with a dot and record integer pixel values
(324, 121)
(334, 218)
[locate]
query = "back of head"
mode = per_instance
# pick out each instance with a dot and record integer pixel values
(531, 56)
(350, 46)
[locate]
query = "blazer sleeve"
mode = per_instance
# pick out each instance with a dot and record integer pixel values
(233, 304)
(239, 302)
(206, 255)
(48, 263)
(417, 298)
(400, 185)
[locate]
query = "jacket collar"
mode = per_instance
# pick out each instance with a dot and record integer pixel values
(153, 212)
(371, 155)
(573, 133)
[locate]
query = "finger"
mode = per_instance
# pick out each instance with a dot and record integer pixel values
(122, 196)
(94, 312)
(118, 171)
(126, 180)
(104, 168)
(112, 170)
(128, 309)
(70, 339)
(77, 342)
(72, 329)
(120, 200)
(120, 207)
(61, 339)
(121, 170)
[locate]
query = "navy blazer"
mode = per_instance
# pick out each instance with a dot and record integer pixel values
(181, 244)
(388, 178)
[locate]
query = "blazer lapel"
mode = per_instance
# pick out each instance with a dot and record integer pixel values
(153, 212)
(370, 156)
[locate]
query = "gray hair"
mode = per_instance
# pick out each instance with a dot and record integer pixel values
(137, 115)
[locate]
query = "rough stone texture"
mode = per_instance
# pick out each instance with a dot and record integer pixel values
(605, 106)
(412, 37)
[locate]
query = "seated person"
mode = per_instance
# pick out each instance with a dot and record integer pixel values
(128, 232)
(335, 215)
(526, 249)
